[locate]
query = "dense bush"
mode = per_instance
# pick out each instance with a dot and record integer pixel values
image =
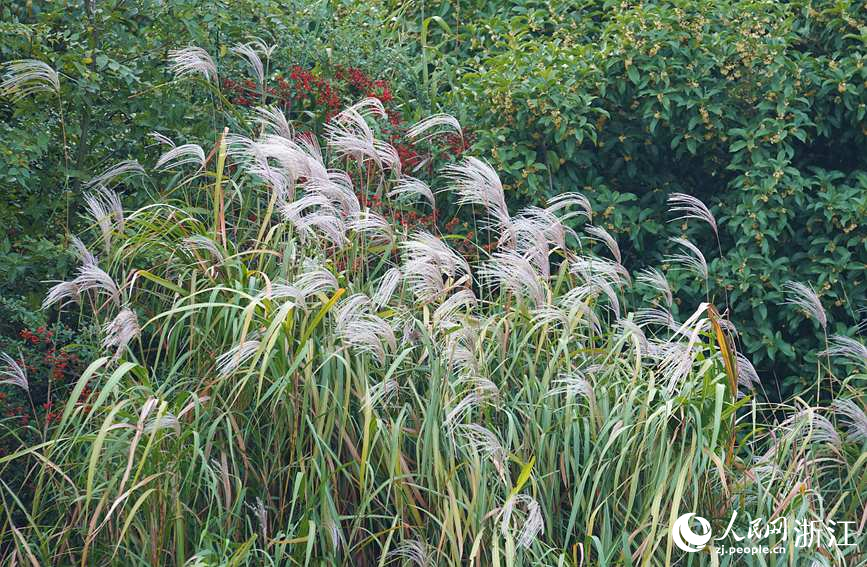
(758, 108)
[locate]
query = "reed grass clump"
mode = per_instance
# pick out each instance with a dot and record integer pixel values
(292, 378)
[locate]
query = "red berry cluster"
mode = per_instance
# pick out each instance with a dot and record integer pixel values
(55, 361)
(47, 367)
(362, 84)
(37, 336)
(310, 91)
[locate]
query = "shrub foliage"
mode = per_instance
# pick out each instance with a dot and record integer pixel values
(757, 108)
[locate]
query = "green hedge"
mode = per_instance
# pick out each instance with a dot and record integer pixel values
(757, 108)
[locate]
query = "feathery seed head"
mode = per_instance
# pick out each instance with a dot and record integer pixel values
(433, 126)
(804, 297)
(848, 349)
(692, 208)
(13, 372)
(192, 60)
(25, 77)
(852, 415)
(120, 331)
(693, 261)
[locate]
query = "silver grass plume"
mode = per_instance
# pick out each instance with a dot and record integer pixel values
(693, 261)
(201, 243)
(482, 386)
(330, 226)
(531, 233)
(84, 255)
(477, 183)
(369, 334)
(263, 48)
(369, 105)
(13, 373)
(656, 280)
(368, 222)
(601, 235)
(92, 277)
(815, 427)
(275, 177)
(593, 288)
(407, 185)
(425, 246)
(460, 350)
(359, 328)
(288, 156)
(848, 349)
(120, 331)
(120, 169)
(427, 260)
(631, 329)
(692, 208)
(315, 212)
(279, 290)
(60, 292)
(677, 358)
(747, 375)
(192, 61)
(177, 156)
(460, 410)
(311, 149)
(853, 417)
(565, 200)
(532, 524)
(25, 77)
(592, 269)
(315, 279)
(247, 51)
(514, 273)
(165, 421)
(656, 316)
(261, 513)
(337, 187)
(572, 385)
(381, 393)
(106, 210)
(531, 243)
(273, 119)
(463, 300)
(548, 223)
(572, 309)
(415, 551)
(484, 442)
(160, 140)
(433, 126)
(388, 283)
(349, 134)
(233, 358)
(803, 296)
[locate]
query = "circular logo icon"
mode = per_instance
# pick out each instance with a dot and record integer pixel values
(685, 538)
